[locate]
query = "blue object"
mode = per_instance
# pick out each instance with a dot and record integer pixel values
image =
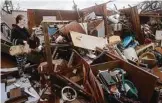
(133, 44)
(126, 41)
(51, 30)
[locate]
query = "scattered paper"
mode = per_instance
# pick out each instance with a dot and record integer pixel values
(32, 92)
(22, 83)
(32, 100)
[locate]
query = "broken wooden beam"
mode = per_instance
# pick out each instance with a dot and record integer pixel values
(47, 47)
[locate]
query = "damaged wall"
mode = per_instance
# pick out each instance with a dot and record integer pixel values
(98, 9)
(35, 16)
(9, 19)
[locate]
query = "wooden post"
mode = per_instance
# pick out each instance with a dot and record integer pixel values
(31, 19)
(47, 47)
(136, 24)
(105, 18)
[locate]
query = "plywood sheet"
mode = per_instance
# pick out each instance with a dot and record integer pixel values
(87, 41)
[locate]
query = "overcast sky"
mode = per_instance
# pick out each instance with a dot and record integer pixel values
(67, 4)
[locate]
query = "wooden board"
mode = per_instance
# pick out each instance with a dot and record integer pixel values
(15, 92)
(87, 41)
(7, 61)
(156, 71)
(144, 81)
(35, 16)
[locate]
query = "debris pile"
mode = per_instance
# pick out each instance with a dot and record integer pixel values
(100, 58)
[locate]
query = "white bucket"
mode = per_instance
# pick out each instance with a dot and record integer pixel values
(130, 54)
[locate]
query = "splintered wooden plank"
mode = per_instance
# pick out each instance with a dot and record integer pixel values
(87, 41)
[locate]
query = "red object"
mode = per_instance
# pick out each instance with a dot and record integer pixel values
(147, 41)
